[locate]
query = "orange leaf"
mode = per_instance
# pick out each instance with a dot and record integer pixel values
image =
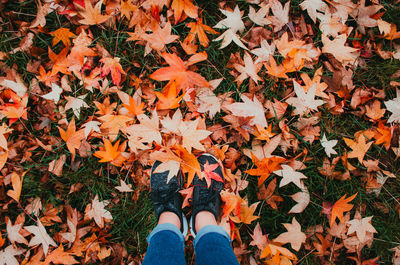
(178, 72)
(92, 15)
(64, 35)
(72, 137)
(186, 6)
(265, 167)
(59, 256)
(359, 147)
(189, 164)
(232, 202)
(340, 207)
(16, 109)
(199, 29)
(112, 65)
(16, 181)
(169, 98)
(246, 213)
(109, 152)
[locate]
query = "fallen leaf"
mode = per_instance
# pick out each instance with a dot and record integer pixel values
(340, 207)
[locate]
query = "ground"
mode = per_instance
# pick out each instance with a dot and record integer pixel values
(84, 176)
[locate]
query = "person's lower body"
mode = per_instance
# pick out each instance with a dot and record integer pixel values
(211, 246)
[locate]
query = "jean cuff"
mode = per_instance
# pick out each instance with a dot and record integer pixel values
(167, 227)
(210, 229)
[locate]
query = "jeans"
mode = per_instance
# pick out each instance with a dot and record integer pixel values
(211, 246)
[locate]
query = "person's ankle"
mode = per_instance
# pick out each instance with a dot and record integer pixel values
(204, 218)
(171, 218)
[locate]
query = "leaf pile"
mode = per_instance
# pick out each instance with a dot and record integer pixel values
(276, 90)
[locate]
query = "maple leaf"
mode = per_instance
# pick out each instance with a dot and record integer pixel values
(112, 65)
(344, 54)
(55, 93)
(186, 6)
(160, 37)
(302, 198)
(289, 175)
(96, 211)
(207, 101)
(232, 203)
(393, 106)
(4, 129)
(259, 239)
(109, 153)
(265, 52)
(63, 35)
(13, 233)
(7, 255)
(275, 70)
(340, 207)
(281, 14)
(374, 110)
(191, 137)
(305, 101)
(40, 237)
(233, 20)
(209, 174)
(312, 6)
(246, 213)
(359, 147)
(259, 16)
(112, 124)
(361, 227)
(227, 37)
(250, 69)
(72, 137)
(364, 15)
(91, 126)
(384, 135)
(92, 14)
(76, 104)
(328, 146)
(134, 107)
(178, 72)
(15, 110)
(126, 8)
(16, 182)
(59, 256)
(169, 98)
(267, 194)
(249, 108)
(275, 250)
(265, 167)
(148, 129)
(123, 187)
(18, 87)
(199, 29)
(294, 236)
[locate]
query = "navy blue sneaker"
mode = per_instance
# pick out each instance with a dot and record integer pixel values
(206, 191)
(166, 196)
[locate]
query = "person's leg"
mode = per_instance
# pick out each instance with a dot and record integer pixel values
(212, 243)
(166, 246)
(166, 241)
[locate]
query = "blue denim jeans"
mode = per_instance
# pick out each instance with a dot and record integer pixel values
(212, 245)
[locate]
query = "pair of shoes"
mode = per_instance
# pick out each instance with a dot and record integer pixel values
(206, 191)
